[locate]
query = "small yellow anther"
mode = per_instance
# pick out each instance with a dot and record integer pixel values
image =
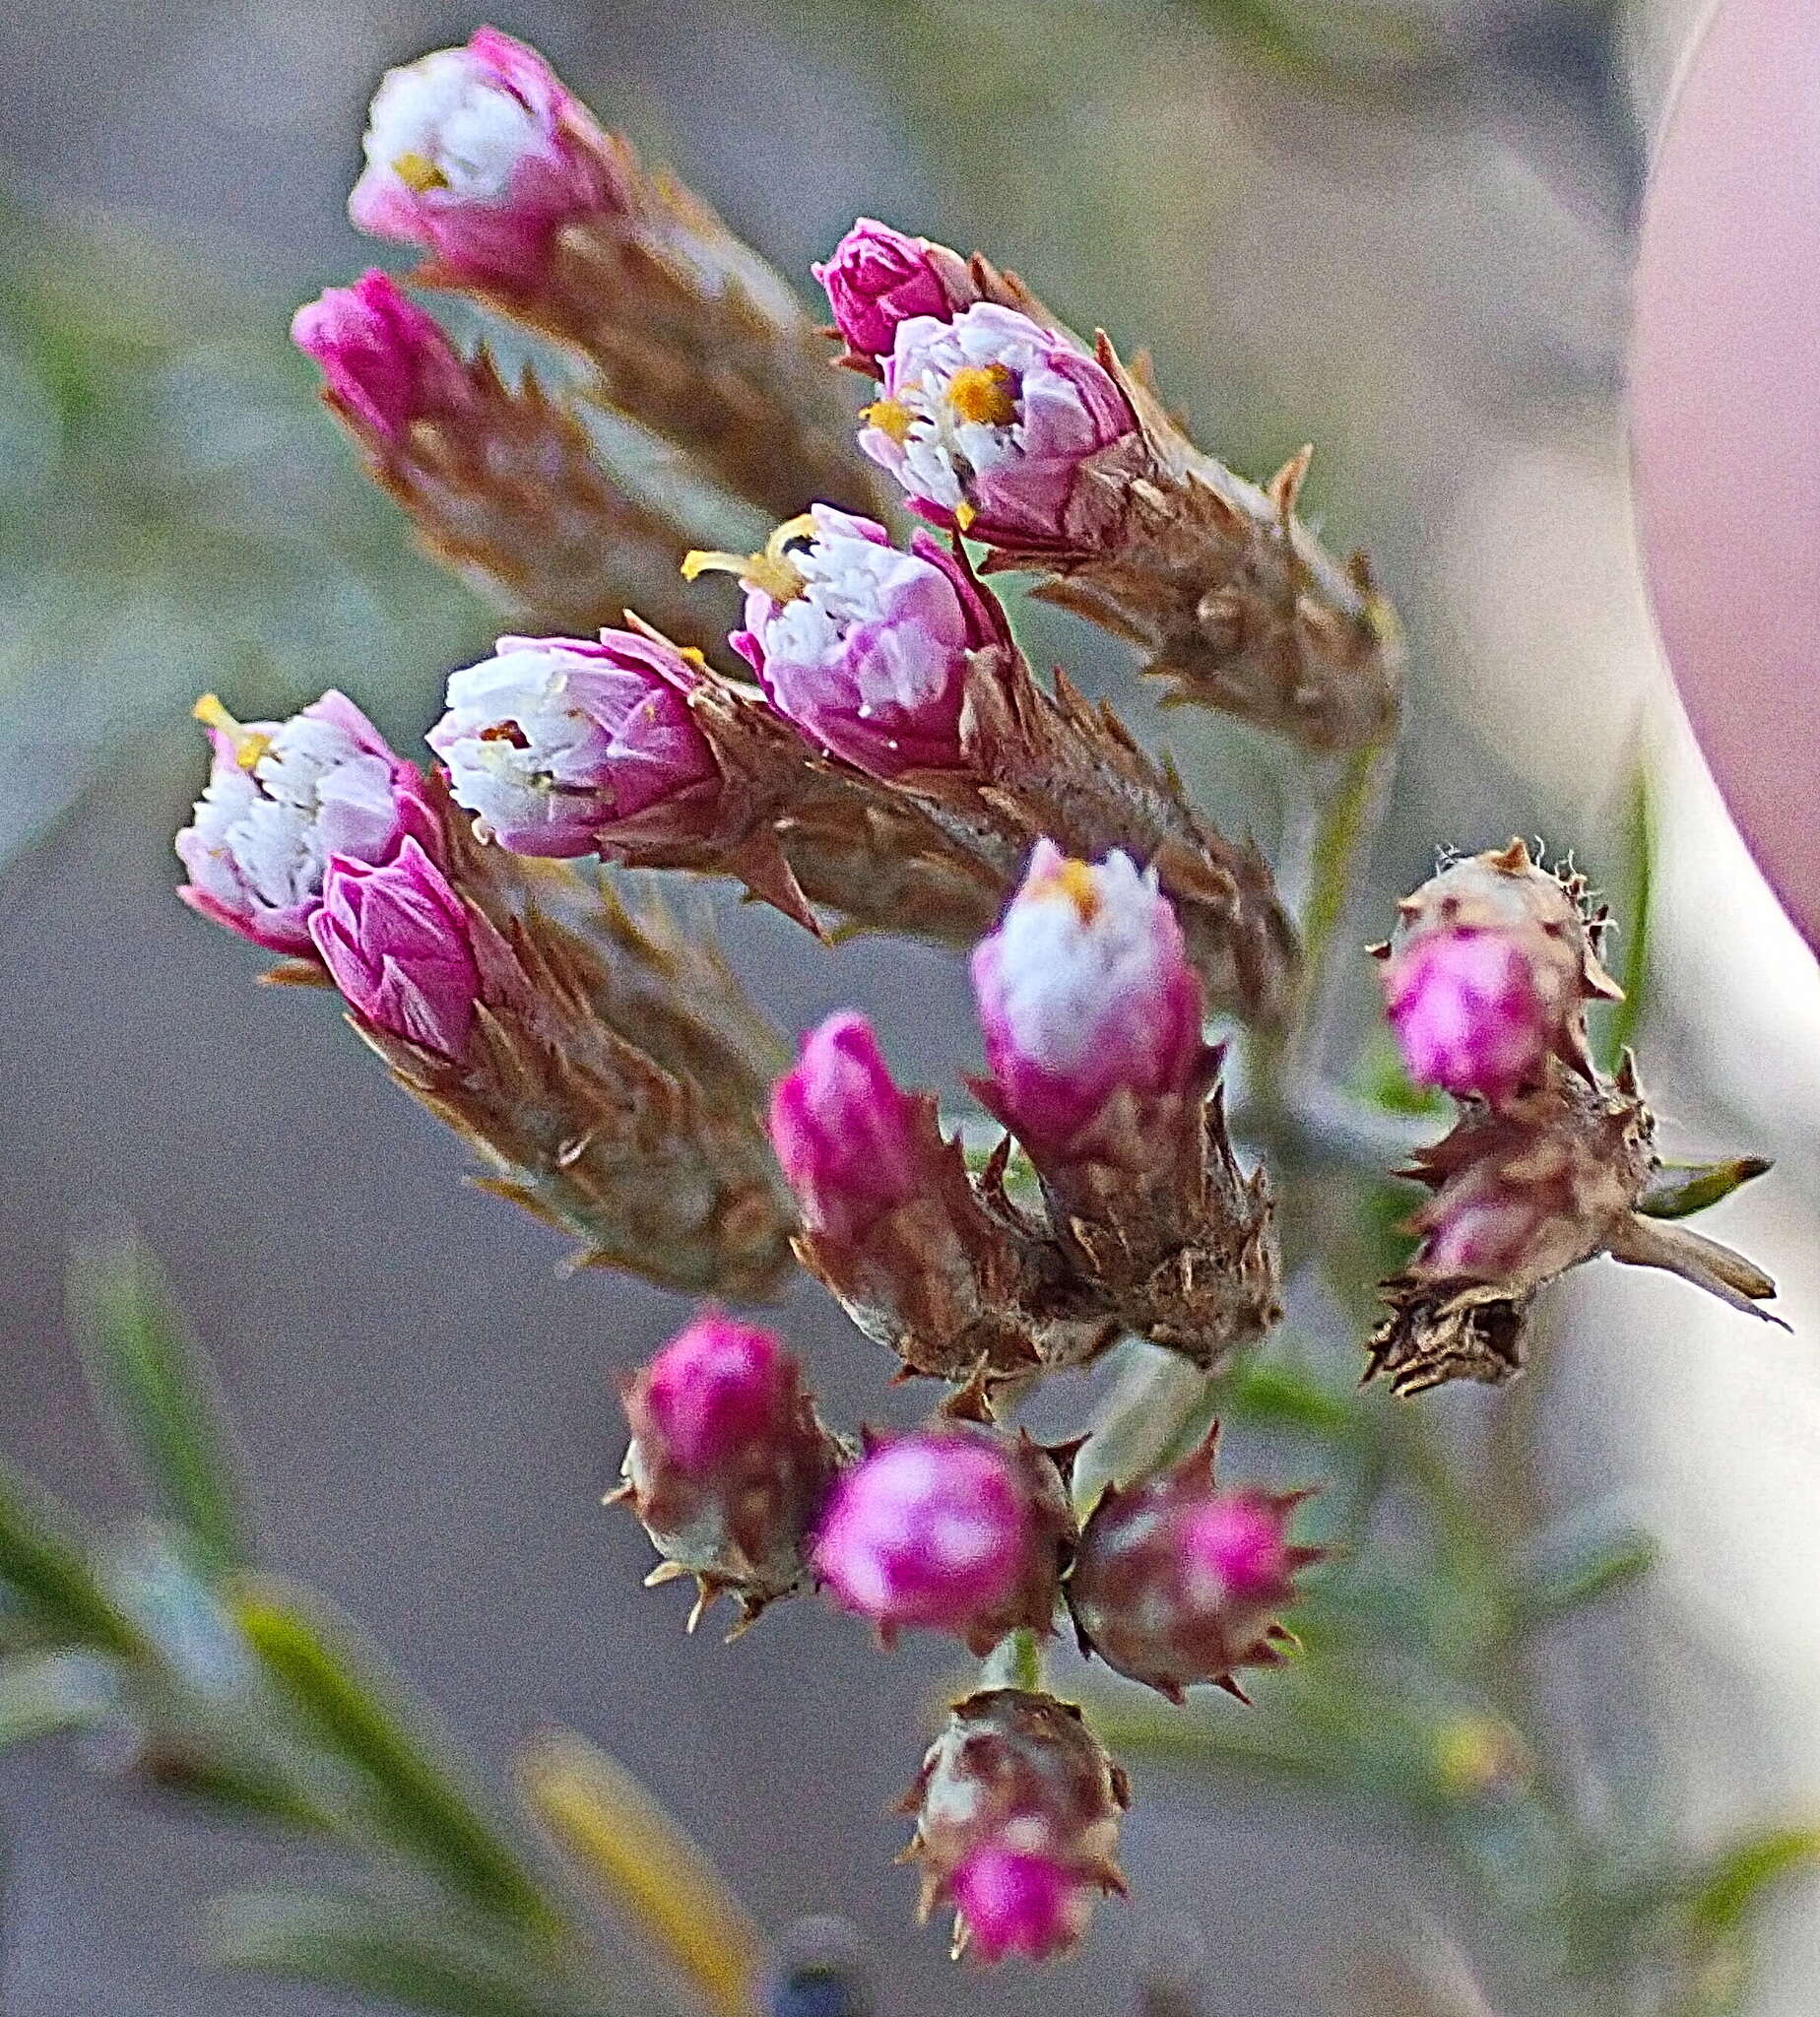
(772, 571)
(890, 417)
(247, 745)
(983, 393)
(1074, 881)
(965, 514)
(418, 174)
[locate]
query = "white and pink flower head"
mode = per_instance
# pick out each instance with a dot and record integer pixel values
(558, 743)
(989, 420)
(383, 357)
(283, 799)
(1467, 1012)
(718, 1388)
(480, 155)
(399, 943)
(1084, 991)
(864, 647)
(878, 278)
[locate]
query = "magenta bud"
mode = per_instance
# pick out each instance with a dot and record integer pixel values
(382, 357)
(991, 424)
(282, 799)
(714, 1390)
(728, 1463)
(1011, 1900)
(1466, 1013)
(480, 155)
(864, 647)
(844, 1131)
(952, 1530)
(561, 745)
(1084, 991)
(877, 277)
(1177, 1582)
(398, 942)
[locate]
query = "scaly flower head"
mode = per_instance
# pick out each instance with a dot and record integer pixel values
(1084, 990)
(988, 422)
(558, 742)
(383, 360)
(398, 942)
(877, 277)
(864, 647)
(480, 155)
(282, 799)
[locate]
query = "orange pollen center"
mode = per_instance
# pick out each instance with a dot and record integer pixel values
(1077, 881)
(507, 732)
(890, 417)
(983, 393)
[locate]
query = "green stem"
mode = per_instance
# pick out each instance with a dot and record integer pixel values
(1017, 1661)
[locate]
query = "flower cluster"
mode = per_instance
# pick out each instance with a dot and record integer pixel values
(1487, 981)
(893, 764)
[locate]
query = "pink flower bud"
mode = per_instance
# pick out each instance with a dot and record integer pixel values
(398, 943)
(714, 1390)
(480, 155)
(1011, 1900)
(989, 422)
(877, 277)
(1175, 1581)
(864, 647)
(559, 744)
(282, 799)
(382, 357)
(728, 1463)
(844, 1131)
(1084, 991)
(952, 1530)
(1466, 1013)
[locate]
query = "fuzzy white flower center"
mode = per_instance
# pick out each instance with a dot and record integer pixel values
(848, 583)
(956, 403)
(1078, 942)
(511, 732)
(439, 125)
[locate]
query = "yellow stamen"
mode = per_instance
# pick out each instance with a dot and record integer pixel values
(772, 571)
(965, 514)
(983, 393)
(247, 745)
(418, 174)
(890, 417)
(1074, 881)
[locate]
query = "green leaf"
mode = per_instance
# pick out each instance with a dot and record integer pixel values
(1632, 902)
(157, 1394)
(45, 1694)
(403, 1954)
(1731, 1887)
(361, 1717)
(1580, 1560)
(1679, 1190)
(46, 1564)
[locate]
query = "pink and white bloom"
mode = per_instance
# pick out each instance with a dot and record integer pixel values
(1019, 1900)
(988, 422)
(864, 647)
(877, 277)
(383, 357)
(1084, 991)
(282, 799)
(1235, 1549)
(480, 155)
(557, 744)
(929, 1531)
(718, 1389)
(844, 1131)
(399, 943)
(1467, 1012)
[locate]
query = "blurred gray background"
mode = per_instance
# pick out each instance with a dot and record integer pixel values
(1416, 262)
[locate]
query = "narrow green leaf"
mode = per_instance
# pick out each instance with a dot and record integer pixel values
(44, 1563)
(402, 1953)
(355, 1712)
(157, 1394)
(1632, 902)
(1580, 1560)
(1679, 1190)
(1732, 1885)
(45, 1694)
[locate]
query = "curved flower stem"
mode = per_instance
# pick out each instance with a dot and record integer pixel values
(1017, 1661)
